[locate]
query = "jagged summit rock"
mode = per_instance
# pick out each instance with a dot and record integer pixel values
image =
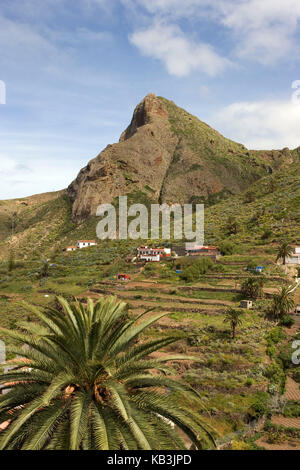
(147, 111)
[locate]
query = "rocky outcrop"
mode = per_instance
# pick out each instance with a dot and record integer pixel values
(137, 163)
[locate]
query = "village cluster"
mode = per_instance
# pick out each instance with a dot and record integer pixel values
(150, 254)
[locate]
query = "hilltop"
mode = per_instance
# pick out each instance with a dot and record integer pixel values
(168, 155)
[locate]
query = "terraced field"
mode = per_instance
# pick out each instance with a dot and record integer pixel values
(239, 381)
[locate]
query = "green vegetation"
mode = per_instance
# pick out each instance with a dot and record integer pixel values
(233, 316)
(284, 251)
(227, 248)
(292, 410)
(252, 288)
(194, 271)
(282, 304)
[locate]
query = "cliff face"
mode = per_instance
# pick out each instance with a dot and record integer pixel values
(170, 156)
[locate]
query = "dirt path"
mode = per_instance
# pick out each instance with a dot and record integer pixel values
(280, 420)
(292, 390)
(290, 444)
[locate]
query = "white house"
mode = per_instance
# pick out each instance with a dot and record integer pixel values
(85, 243)
(294, 258)
(71, 248)
(153, 254)
(246, 304)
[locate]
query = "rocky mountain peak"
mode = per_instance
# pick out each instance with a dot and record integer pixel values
(147, 111)
(168, 155)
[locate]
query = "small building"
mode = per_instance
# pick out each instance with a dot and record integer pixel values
(178, 250)
(153, 254)
(259, 269)
(85, 243)
(123, 277)
(210, 251)
(246, 304)
(71, 248)
(294, 258)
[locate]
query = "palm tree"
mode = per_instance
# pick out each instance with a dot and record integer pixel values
(252, 288)
(283, 303)
(93, 384)
(232, 316)
(44, 271)
(284, 251)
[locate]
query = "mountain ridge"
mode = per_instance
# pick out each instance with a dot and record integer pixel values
(170, 156)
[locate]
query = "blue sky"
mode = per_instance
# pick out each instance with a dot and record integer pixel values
(74, 71)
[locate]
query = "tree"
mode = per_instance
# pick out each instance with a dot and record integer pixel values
(91, 384)
(267, 233)
(232, 316)
(198, 267)
(232, 226)
(282, 303)
(252, 288)
(284, 251)
(226, 247)
(11, 260)
(44, 271)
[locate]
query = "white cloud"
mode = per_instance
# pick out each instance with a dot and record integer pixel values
(175, 8)
(263, 30)
(266, 29)
(179, 54)
(261, 124)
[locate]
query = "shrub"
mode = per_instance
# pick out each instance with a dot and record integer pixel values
(276, 376)
(287, 320)
(219, 268)
(11, 261)
(197, 269)
(292, 410)
(249, 382)
(266, 234)
(285, 355)
(227, 248)
(232, 226)
(296, 375)
(240, 445)
(276, 335)
(258, 409)
(252, 288)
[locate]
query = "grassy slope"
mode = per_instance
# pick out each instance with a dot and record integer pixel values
(275, 208)
(236, 166)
